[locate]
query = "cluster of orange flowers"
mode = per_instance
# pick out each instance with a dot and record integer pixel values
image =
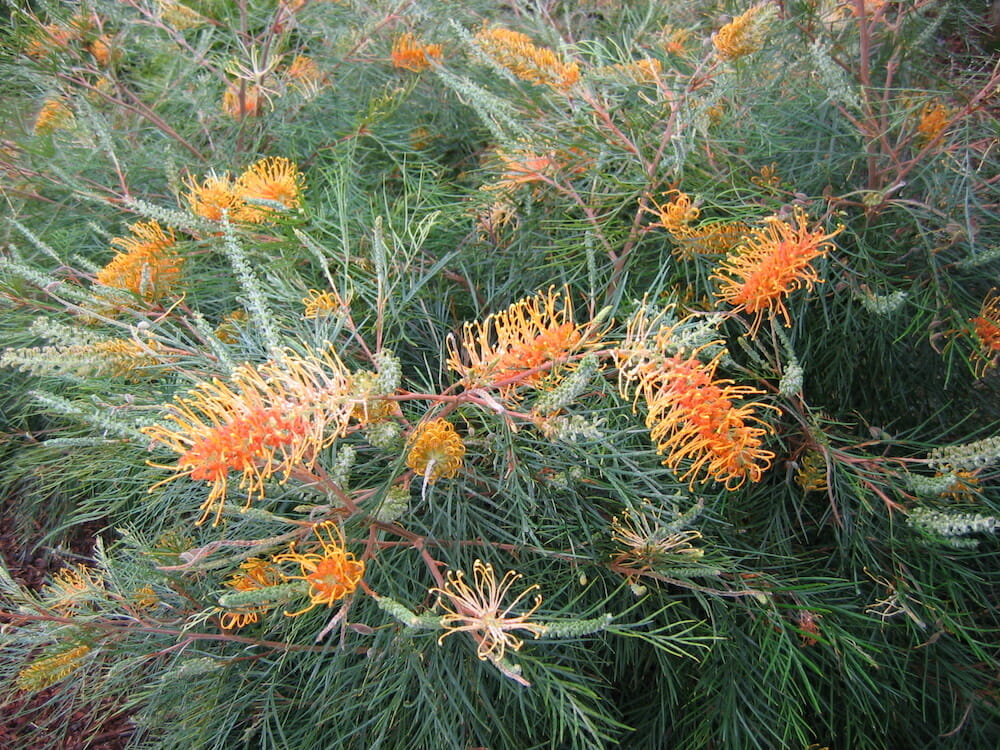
(409, 54)
(518, 54)
(745, 34)
(147, 263)
(272, 184)
(678, 215)
(986, 327)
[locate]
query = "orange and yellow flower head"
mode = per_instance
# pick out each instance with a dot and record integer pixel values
(769, 264)
(269, 419)
(746, 33)
(214, 197)
(147, 264)
(516, 52)
(986, 327)
(254, 574)
(436, 450)
(409, 54)
(333, 573)
(522, 345)
(274, 180)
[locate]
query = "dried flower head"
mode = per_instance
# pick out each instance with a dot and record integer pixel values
(479, 609)
(811, 473)
(409, 54)
(435, 450)
(270, 419)
(769, 264)
(745, 34)
(332, 573)
(147, 263)
(517, 53)
(521, 345)
(647, 543)
(254, 574)
(242, 99)
(275, 180)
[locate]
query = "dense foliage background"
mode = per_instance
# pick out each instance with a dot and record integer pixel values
(499, 375)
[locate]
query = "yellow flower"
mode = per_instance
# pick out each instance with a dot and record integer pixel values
(745, 34)
(147, 264)
(274, 179)
(517, 53)
(479, 610)
(770, 263)
(521, 345)
(270, 419)
(255, 574)
(436, 450)
(214, 196)
(409, 54)
(332, 575)
(321, 304)
(811, 474)
(73, 586)
(47, 671)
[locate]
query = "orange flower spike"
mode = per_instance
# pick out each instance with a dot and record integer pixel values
(511, 347)
(516, 52)
(274, 179)
(745, 34)
(408, 54)
(274, 418)
(332, 574)
(769, 264)
(436, 450)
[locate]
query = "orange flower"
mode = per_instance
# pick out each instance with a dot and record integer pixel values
(693, 416)
(479, 609)
(54, 114)
(770, 263)
(305, 76)
(745, 34)
(521, 345)
(50, 38)
(677, 214)
(987, 329)
(331, 575)
(436, 450)
(934, 118)
(148, 264)
(520, 56)
(275, 180)
(213, 196)
(271, 419)
(255, 574)
(409, 54)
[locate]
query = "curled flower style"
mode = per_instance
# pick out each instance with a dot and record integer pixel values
(646, 542)
(409, 54)
(678, 216)
(147, 263)
(214, 196)
(254, 574)
(270, 419)
(934, 118)
(521, 345)
(745, 34)
(305, 76)
(769, 264)
(274, 179)
(986, 327)
(436, 450)
(517, 53)
(332, 574)
(479, 609)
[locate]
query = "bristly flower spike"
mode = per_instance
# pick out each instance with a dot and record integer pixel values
(332, 574)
